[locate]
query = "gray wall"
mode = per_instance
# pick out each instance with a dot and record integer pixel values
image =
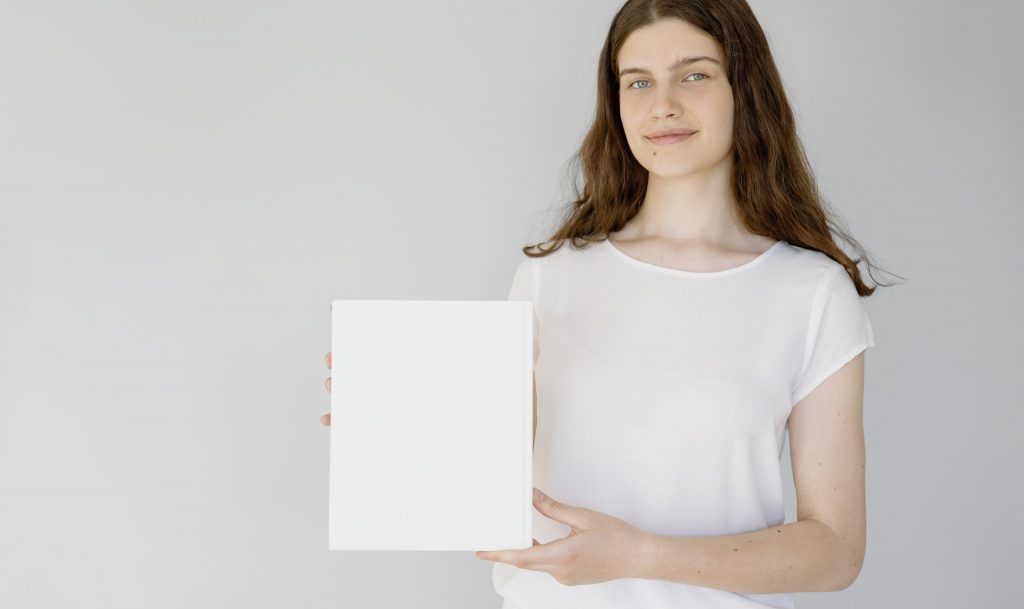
(185, 186)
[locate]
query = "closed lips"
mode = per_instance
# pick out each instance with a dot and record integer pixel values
(667, 132)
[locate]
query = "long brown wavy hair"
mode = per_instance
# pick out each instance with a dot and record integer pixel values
(772, 180)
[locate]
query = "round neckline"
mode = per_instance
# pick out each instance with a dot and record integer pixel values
(683, 273)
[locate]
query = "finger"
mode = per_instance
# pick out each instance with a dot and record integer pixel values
(327, 384)
(326, 419)
(535, 542)
(327, 359)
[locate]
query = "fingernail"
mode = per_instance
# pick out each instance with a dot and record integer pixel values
(538, 496)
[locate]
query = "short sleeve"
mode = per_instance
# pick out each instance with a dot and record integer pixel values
(524, 287)
(838, 330)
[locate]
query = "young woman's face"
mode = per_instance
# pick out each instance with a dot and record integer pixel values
(694, 96)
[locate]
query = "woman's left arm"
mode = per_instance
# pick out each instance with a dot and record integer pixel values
(824, 549)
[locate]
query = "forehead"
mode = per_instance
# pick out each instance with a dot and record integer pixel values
(657, 45)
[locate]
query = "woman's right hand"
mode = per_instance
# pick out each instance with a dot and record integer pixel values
(326, 418)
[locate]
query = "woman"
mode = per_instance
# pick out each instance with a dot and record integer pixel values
(700, 310)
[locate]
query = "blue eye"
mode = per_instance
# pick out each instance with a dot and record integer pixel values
(644, 80)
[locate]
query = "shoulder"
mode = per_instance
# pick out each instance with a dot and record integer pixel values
(810, 267)
(809, 260)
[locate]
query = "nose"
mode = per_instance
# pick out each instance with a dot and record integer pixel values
(665, 104)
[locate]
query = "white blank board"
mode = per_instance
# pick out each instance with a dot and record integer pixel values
(431, 425)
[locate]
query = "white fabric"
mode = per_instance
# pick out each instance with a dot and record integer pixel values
(663, 399)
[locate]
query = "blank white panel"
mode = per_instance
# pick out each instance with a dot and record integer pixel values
(431, 425)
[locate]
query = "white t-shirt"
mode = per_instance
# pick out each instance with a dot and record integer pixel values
(663, 398)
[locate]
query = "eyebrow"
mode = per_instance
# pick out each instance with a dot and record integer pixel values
(682, 61)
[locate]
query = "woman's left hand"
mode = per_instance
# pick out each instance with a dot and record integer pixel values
(599, 548)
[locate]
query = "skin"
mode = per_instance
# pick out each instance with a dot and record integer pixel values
(688, 221)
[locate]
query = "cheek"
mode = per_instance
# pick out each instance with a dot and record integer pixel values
(725, 105)
(626, 115)
(715, 115)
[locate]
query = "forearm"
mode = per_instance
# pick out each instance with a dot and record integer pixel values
(804, 556)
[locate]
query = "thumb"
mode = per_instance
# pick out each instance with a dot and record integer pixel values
(556, 510)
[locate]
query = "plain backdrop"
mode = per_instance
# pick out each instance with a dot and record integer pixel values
(186, 185)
